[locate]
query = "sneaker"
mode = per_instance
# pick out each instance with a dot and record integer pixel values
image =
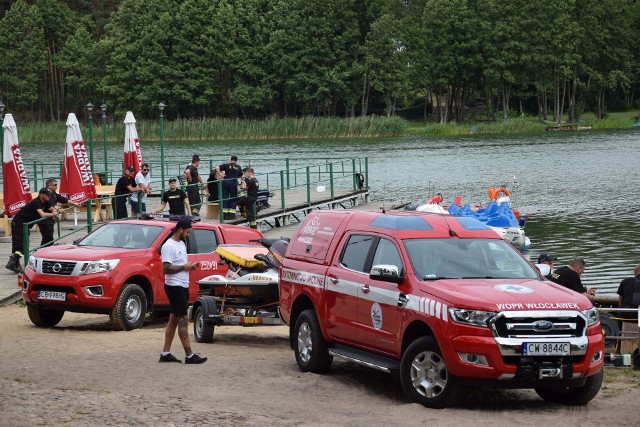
(169, 358)
(194, 359)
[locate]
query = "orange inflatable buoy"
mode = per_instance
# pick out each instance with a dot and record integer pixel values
(435, 200)
(494, 193)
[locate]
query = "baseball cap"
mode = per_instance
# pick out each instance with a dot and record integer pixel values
(183, 223)
(172, 180)
(546, 257)
(131, 168)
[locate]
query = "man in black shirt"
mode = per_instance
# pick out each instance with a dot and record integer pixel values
(176, 198)
(248, 204)
(125, 185)
(569, 277)
(232, 171)
(629, 297)
(194, 181)
(46, 226)
(35, 209)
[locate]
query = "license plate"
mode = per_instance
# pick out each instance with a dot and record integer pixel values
(51, 295)
(546, 349)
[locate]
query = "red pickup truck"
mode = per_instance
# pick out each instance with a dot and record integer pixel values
(442, 301)
(117, 270)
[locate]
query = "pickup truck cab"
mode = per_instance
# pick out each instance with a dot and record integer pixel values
(117, 270)
(442, 301)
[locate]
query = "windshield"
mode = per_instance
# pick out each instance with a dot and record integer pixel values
(122, 235)
(434, 259)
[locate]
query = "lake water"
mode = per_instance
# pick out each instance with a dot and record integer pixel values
(578, 189)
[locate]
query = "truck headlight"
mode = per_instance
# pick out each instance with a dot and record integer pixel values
(471, 317)
(33, 262)
(100, 266)
(592, 316)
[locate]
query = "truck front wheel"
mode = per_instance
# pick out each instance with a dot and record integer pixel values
(202, 331)
(424, 375)
(44, 317)
(573, 396)
(130, 308)
(312, 354)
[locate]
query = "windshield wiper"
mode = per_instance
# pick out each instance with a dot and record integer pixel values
(433, 277)
(479, 277)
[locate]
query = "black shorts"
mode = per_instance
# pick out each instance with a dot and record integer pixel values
(178, 299)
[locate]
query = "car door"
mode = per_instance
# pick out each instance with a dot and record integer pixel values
(344, 277)
(378, 311)
(201, 247)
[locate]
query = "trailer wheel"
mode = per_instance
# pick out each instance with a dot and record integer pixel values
(610, 328)
(424, 375)
(202, 331)
(312, 354)
(573, 396)
(44, 317)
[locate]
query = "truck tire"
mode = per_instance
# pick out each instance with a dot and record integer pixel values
(130, 308)
(202, 331)
(424, 375)
(312, 353)
(44, 317)
(573, 396)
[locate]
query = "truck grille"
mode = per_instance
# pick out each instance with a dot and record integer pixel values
(62, 268)
(539, 324)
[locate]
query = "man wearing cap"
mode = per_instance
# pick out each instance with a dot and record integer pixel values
(37, 208)
(232, 171)
(248, 204)
(194, 182)
(176, 198)
(125, 185)
(569, 277)
(176, 267)
(545, 264)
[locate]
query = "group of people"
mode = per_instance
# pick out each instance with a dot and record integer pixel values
(189, 202)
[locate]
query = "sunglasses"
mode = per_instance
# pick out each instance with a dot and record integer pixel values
(146, 170)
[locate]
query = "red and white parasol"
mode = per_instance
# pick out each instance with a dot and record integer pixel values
(77, 182)
(15, 183)
(132, 153)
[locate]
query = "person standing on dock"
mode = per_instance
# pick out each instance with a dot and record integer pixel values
(629, 297)
(176, 198)
(194, 181)
(46, 226)
(232, 171)
(569, 277)
(125, 185)
(143, 180)
(248, 204)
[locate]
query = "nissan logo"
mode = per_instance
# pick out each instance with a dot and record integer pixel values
(543, 326)
(56, 267)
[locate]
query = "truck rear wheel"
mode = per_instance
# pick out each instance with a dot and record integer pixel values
(44, 317)
(130, 308)
(312, 354)
(576, 395)
(424, 375)
(202, 331)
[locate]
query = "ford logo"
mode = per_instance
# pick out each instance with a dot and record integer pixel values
(56, 267)
(543, 326)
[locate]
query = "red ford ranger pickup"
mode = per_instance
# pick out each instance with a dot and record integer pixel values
(441, 301)
(117, 270)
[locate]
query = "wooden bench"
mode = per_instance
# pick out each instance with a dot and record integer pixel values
(102, 202)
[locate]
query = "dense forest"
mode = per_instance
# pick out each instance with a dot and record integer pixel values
(329, 58)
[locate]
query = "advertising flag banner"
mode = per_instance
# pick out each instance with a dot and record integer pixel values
(132, 153)
(15, 184)
(77, 182)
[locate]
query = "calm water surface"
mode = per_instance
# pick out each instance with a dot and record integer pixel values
(579, 190)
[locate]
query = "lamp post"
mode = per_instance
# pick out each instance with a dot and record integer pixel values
(2, 130)
(103, 107)
(90, 109)
(161, 107)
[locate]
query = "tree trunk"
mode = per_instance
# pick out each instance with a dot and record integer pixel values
(506, 92)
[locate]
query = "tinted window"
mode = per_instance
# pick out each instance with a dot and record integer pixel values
(354, 254)
(387, 253)
(202, 241)
(123, 235)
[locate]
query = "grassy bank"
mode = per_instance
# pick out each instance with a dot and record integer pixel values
(306, 127)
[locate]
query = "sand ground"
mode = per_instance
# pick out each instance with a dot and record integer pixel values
(83, 373)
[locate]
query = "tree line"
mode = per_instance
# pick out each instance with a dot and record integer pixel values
(333, 58)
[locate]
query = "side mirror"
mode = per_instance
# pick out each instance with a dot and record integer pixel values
(386, 273)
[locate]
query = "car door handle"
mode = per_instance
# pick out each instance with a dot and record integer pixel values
(334, 280)
(365, 289)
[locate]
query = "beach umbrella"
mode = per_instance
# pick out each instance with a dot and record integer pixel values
(17, 192)
(132, 153)
(77, 182)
